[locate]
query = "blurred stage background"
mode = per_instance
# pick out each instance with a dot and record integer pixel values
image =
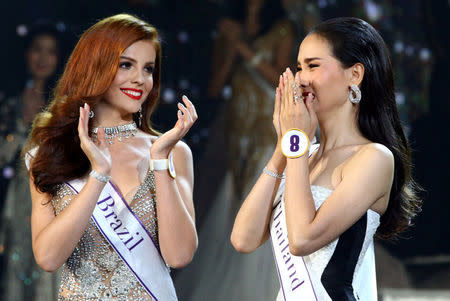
(416, 33)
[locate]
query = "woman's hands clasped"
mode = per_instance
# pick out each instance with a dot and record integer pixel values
(97, 152)
(187, 115)
(292, 110)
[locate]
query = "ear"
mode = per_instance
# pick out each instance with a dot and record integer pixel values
(356, 74)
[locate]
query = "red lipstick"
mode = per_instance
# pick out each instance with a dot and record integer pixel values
(132, 93)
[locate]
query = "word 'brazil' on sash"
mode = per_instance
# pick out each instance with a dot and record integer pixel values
(292, 271)
(129, 238)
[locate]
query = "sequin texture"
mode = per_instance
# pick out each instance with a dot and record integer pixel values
(94, 271)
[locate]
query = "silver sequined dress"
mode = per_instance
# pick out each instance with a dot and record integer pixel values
(94, 271)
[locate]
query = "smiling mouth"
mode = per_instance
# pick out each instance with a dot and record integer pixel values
(132, 93)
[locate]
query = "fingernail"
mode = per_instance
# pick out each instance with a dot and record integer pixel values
(85, 105)
(180, 113)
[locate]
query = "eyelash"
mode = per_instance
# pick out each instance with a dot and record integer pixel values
(310, 67)
(127, 65)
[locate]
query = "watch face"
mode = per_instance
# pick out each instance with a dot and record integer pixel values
(294, 143)
(171, 167)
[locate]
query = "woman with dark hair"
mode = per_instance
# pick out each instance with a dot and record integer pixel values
(21, 278)
(106, 202)
(323, 211)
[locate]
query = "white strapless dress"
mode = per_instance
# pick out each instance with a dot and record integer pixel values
(345, 268)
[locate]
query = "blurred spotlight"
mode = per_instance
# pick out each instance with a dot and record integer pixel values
(22, 30)
(399, 98)
(8, 172)
(373, 10)
(183, 37)
(168, 95)
(61, 26)
(425, 54)
(226, 92)
(398, 46)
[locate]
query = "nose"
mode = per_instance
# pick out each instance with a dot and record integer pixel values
(138, 77)
(302, 79)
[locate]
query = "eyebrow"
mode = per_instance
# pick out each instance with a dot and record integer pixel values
(307, 60)
(133, 60)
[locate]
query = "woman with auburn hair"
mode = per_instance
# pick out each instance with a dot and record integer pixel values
(107, 204)
(322, 210)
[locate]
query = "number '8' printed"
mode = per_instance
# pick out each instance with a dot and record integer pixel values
(295, 139)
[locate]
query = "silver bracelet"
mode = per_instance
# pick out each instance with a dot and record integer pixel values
(100, 177)
(273, 174)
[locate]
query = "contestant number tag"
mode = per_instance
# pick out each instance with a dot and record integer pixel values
(294, 143)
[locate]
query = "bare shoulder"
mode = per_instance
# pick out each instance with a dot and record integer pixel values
(182, 149)
(372, 156)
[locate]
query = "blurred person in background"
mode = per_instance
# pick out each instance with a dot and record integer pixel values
(21, 278)
(115, 193)
(254, 44)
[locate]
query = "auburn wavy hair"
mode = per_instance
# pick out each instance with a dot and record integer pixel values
(89, 72)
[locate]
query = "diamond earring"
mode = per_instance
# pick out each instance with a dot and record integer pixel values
(355, 94)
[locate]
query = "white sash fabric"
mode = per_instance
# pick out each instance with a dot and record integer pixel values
(294, 277)
(129, 238)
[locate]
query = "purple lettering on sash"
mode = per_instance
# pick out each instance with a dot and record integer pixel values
(132, 247)
(288, 258)
(107, 205)
(296, 286)
(116, 226)
(111, 214)
(277, 215)
(129, 239)
(280, 233)
(285, 247)
(290, 267)
(123, 233)
(292, 275)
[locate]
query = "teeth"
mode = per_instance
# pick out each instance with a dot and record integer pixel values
(134, 93)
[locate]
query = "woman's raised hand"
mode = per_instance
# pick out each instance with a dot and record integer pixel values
(97, 152)
(276, 111)
(294, 110)
(187, 115)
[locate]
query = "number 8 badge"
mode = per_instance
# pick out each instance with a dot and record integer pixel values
(294, 143)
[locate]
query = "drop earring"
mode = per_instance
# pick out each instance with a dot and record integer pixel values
(140, 117)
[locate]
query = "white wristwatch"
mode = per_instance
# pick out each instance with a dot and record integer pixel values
(163, 164)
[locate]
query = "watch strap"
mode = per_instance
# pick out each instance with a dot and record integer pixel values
(159, 164)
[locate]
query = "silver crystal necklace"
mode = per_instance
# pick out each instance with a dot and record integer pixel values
(120, 131)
